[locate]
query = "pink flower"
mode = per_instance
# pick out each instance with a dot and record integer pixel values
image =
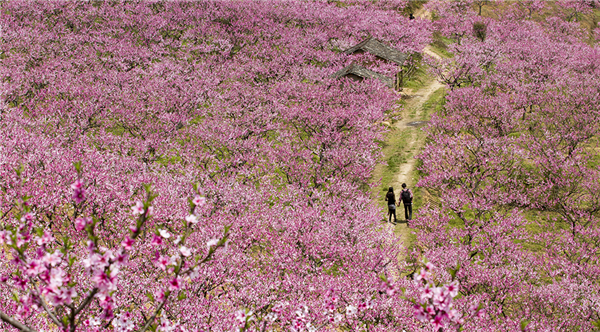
(34, 268)
(420, 313)
(454, 316)
(162, 262)
(156, 240)
(474, 310)
(57, 278)
(177, 240)
(191, 219)
(423, 275)
(92, 321)
(426, 293)
(429, 266)
(199, 200)
(242, 315)
(351, 310)
(67, 295)
(440, 297)
(175, 284)
(127, 243)
(78, 196)
(453, 288)
(105, 282)
(81, 223)
(212, 243)
(53, 259)
(159, 296)
(100, 278)
(138, 208)
(271, 317)
(438, 321)
(27, 217)
(390, 289)
(20, 282)
(336, 318)
(22, 239)
(430, 310)
(77, 185)
(120, 258)
(185, 251)
(365, 305)
(164, 233)
(45, 239)
(78, 191)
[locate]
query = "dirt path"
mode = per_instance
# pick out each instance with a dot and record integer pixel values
(408, 135)
(414, 111)
(413, 117)
(422, 13)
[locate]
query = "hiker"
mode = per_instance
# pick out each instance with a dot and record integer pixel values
(406, 196)
(412, 17)
(391, 199)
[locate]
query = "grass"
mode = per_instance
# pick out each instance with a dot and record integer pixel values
(439, 45)
(396, 152)
(418, 79)
(434, 104)
(394, 156)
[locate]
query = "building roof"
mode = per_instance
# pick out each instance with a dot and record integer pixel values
(363, 72)
(379, 49)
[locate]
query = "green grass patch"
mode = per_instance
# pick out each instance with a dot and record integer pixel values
(418, 79)
(434, 104)
(395, 155)
(439, 45)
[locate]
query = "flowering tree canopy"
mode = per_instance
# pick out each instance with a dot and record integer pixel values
(192, 166)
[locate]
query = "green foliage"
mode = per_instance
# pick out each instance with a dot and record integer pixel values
(480, 30)
(439, 45)
(418, 79)
(412, 6)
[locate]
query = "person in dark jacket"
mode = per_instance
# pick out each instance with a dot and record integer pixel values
(406, 197)
(391, 199)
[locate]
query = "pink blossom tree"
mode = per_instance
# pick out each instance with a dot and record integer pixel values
(259, 163)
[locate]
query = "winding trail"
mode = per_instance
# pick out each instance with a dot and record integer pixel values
(413, 117)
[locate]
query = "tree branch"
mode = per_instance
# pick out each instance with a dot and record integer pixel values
(153, 317)
(49, 312)
(15, 323)
(87, 301)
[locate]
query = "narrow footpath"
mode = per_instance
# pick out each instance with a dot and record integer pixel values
(406, 139)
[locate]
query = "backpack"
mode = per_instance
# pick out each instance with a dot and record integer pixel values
(405, 195)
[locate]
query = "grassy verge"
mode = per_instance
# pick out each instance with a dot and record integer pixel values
(395, 155)
(439, 45)
(434, 104)
(418, 79)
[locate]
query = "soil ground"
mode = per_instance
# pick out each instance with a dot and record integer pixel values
(403, 142)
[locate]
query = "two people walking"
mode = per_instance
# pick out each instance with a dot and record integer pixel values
(406, 198)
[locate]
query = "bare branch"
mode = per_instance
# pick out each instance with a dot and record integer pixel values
(15, 323)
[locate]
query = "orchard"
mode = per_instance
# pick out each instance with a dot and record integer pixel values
(194, 166)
